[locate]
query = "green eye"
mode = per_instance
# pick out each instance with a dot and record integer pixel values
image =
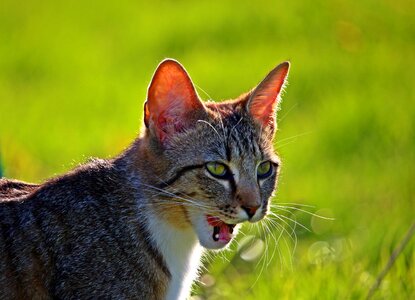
(216, 169)
(264, 170)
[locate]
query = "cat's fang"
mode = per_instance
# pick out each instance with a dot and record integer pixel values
(225, 234)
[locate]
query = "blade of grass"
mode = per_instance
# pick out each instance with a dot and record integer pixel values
(398, 250)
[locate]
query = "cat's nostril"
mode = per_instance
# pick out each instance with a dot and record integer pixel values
(250, 210)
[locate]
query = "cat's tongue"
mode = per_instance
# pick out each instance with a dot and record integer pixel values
(225, 234)
(222, 232)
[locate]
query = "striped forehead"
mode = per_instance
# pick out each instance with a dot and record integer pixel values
(242, 142)
(235, 131)
(242, 145)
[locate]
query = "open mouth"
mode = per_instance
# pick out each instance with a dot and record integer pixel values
(222, 232)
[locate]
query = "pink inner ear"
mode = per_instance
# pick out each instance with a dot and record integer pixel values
(264, 99)
(171, 100)
(264, 107)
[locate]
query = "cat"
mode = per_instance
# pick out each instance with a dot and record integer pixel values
(136, 226)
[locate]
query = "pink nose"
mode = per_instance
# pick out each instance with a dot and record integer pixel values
(250, 210)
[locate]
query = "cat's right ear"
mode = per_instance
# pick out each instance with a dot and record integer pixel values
(172, 103)
(263, 101)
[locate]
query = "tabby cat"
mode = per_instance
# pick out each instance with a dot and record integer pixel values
(134, 227)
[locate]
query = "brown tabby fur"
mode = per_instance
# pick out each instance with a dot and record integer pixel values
(84, 235)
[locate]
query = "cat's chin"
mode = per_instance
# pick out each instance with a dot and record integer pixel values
(212, 232)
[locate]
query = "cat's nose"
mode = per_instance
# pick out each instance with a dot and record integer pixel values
(250, 210)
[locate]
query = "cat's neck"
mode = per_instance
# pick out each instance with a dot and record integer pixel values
(145, 160)
(181, 252)
(178, 244)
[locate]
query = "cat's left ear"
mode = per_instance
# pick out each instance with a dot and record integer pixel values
(263, 100)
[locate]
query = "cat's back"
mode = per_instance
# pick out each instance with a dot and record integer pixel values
(75, 236)
(18, 257)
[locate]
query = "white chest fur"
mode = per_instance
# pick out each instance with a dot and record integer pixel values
(181, 252)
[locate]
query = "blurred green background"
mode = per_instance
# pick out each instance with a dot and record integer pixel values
(73, 77)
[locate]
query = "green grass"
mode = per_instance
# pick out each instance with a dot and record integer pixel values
(73, 77)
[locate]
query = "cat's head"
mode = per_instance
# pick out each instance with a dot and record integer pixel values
(212, 164)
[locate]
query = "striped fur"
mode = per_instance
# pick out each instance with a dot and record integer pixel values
(133, 227)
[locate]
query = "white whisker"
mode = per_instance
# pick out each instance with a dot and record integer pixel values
(210, 125)
(304, 211)
(293, 137)
(289, 219)
(287, 112)
(199, 88)
(292, 203)
(189, 201)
